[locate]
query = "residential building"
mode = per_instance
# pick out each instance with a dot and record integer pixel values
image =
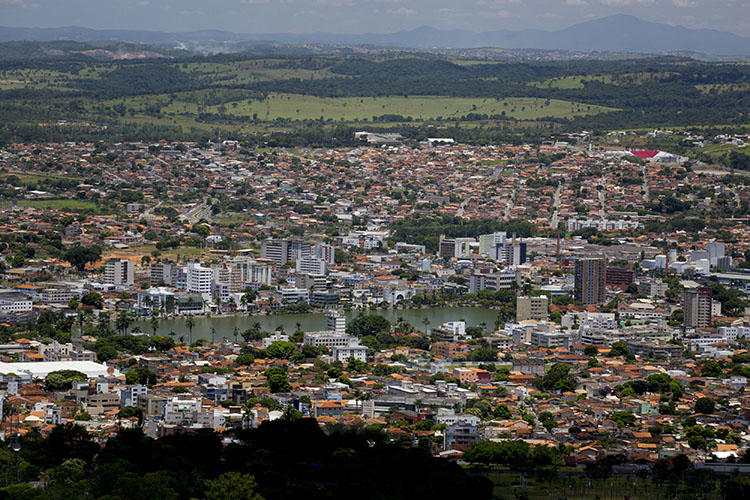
(199, 278)
(619, 276)
(15, 303)
(119, 272)
(696, 305)
(653, 287)
(550, 340)
(489, 242)
(335, 321)
(162, 273)
(352, 351)
(590, 278)
(312, 265)
(536, 308)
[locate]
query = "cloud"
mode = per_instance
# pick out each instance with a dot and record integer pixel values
(402, 11)
(143, 3)
(683, 3)
(576, 3)
(20, 3)
(624, 3)
(497, 3)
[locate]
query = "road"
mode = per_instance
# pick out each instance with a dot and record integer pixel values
(509, 206)
(197, 213)
(556, 206)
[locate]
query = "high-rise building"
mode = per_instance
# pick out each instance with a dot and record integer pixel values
(590, 280)
(447, 247)
(335, 321)
(455, 247)
(488, 242)
(254, 271)
(162, 273)
(276, 250)
(312, 265)
(284, 251)
(513, 254)
(199, 278)
(715, 251)
(325, 252)
(119, 272)
(696, 306)
(620, 276)
(535, 308)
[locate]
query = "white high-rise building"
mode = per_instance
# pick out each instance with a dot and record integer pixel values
(488, 242)
(312, 265)
(199, 278)
(335, 321)
(119, 272)
(715, 251)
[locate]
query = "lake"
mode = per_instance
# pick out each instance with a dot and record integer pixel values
(225, 325)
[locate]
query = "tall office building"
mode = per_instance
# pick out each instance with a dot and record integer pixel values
(696, 305)
(119, 272)
(590, 279)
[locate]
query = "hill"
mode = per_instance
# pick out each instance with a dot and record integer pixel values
(618, 33)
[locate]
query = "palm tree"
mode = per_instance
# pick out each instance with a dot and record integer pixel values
(154, 324)
(80, 321)
(122, 322)
(190, 323)
(236, 333)
(213, 334)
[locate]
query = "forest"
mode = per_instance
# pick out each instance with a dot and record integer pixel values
(287, 458)
(249, 96)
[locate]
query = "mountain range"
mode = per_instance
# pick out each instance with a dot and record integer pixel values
(617, 33)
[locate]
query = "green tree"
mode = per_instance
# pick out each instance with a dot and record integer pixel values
(78, 256)
(502, 412)
(232, 486)
(704, 405)
(93, 299)
(558, 378)
(277, 379)
(280, 350)
(140, 376)
(368, 324)
(190, 323)
(62, 380)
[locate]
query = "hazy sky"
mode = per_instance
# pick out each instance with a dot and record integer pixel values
(358, 16)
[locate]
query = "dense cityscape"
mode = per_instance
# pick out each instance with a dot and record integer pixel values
(575, 303)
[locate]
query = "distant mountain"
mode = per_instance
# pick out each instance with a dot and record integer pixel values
(618, 33)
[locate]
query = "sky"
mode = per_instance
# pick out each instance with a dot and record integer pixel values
(364, 16)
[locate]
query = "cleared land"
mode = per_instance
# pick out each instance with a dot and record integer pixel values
(300, 107)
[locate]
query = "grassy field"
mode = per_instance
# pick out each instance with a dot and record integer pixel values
(66, 204)
(718, 150)
(569, 82)
(301, 107)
